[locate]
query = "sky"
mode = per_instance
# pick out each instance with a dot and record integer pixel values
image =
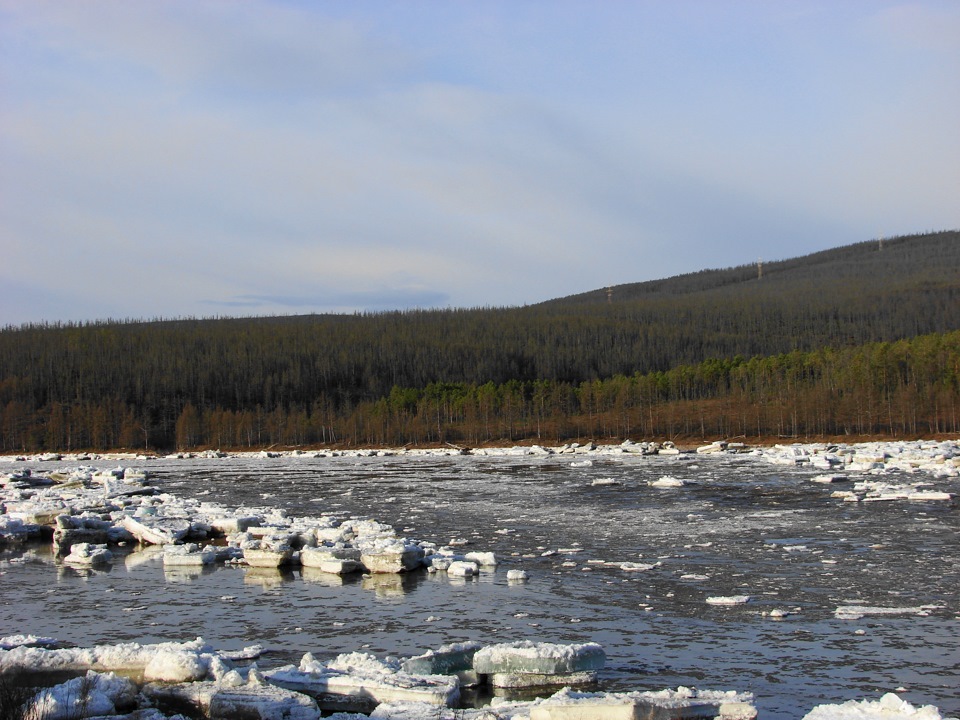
(205, 158)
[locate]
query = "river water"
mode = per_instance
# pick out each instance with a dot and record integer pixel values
(739, 527)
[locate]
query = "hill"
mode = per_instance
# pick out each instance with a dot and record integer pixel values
(106, 383)
(913, 259)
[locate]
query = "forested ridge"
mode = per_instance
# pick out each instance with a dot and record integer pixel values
(856, 340)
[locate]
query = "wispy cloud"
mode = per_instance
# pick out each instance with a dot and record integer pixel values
(387, 299)
(169, 158)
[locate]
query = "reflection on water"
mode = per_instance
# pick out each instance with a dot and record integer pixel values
(742, 529)
(268, 578)
(390, 586)
(316, 575)
(185, 573)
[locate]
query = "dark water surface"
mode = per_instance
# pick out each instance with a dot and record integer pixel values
(744, 528)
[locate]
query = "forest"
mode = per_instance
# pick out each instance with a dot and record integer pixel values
(856, 341)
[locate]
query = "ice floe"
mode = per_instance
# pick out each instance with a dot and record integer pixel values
(728, 599)
(668, 481)
(360, 682)
(855, 612)
(533, 664)
(888, 707)
(88, 696)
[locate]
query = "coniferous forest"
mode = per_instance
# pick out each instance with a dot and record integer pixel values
(857, 341)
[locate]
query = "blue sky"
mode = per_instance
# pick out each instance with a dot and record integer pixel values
(200, 158)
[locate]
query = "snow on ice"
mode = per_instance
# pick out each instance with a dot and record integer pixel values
(888, 707)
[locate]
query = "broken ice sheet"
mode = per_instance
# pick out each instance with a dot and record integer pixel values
(855, 612)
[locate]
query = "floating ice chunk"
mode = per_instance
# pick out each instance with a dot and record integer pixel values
(361, 681)
(828, 479)
(11, 641)
(255, 699)
(71, 530)
(929, 495)
(316, 556)
(17, 530)
(668, 448)
(268, 557)
(88, 555)
(517, 575)
(189, 555)
(93, 694)
(637, 567)
(728, 600)
(132, 657)
(680, 703)
(600, 482)
(176, 666)
(437, 562)
(251, 652)
(483, 559)
(445, 660)
(234, 525)
(157, 530)
(393, 556)
(668, 482)
(888, 707)
(538, 658)
(462, 568)
(855, 612)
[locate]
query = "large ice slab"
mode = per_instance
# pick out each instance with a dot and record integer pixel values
(88, 696)
(680, 704)
(157, 530)
(87, 554)
(855, 612)
(268, 557)
(167, 660)
(335, 560)
(253, 700)
(445, 660)
(359, 681)
(888, 707)
(538, 658)
(391, 557)
(188, 555)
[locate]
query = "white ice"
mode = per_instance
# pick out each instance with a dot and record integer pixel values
(888, 707)
(728, 599)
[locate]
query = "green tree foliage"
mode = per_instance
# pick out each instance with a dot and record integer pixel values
(856, 340)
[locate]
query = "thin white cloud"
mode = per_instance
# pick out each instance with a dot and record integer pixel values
(161, 158)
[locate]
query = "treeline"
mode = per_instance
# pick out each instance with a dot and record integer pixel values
(903, 388)
(245, 381)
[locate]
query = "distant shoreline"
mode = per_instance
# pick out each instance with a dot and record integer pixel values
(685, 445)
